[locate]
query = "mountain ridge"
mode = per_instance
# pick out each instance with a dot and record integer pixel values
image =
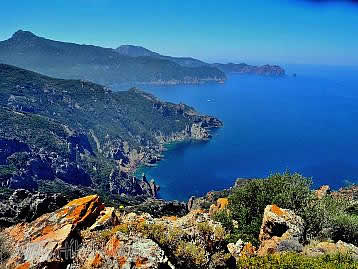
(229, 68)
(101, 65)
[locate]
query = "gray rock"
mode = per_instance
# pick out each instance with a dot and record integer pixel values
(290, 245)
(23, 205)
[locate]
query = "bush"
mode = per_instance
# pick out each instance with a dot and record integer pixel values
(327, 218)
(331, 218)
(247, 203)
(297, 261)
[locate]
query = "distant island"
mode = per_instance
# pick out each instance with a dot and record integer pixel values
(265, 70)
(127, 64)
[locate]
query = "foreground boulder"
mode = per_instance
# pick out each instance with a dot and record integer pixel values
(86, 234)
(120, 251)
(50, 240)
(280, 227)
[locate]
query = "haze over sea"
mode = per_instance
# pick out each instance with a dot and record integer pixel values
(306, 124)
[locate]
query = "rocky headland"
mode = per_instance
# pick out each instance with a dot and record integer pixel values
(264, 70)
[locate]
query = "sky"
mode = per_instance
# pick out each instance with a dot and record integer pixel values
(251, 31)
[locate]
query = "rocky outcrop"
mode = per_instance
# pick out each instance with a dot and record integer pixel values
(122, 251)
(277, 226)
(205, 202)
(221, 204)
(324, 248)
(159, 208)
(241, 248)
(51, 239)
(121, 182)
(349, 193)
(86, 234)
(323, 191)
(24, 206)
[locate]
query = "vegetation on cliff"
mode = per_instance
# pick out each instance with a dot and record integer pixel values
(59, 133)
(325, 218)
(297, 261)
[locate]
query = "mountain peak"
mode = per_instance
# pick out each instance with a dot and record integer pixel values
(21, 34)
(135, 51)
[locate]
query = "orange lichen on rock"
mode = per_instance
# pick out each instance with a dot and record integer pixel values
(80, 210)
(83, 200)
(25, 265)
(222, 203)
(107, 218)
(278, 211)
(95, 207)
(140, 262)
(47, 229)
(197, 211)
(112, 246)
(17, 231)
(95, 262)
(171, 218)
(248, 250)
(121, 261)
(76, 213)
(56, 235)
(62, 212)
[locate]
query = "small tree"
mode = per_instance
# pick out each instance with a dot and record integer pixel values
(247, 203)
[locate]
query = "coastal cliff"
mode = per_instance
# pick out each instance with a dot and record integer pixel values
(65, 135)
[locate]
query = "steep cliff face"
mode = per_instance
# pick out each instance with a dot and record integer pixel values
(57, 133)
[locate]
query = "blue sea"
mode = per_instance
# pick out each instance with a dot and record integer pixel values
(306, 124)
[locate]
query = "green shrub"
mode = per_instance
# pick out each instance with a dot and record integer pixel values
(327, 218)
(332, 218)
(190, 254)
(297, 261)
(247, 203)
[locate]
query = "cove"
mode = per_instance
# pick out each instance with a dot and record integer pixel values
(306, 124)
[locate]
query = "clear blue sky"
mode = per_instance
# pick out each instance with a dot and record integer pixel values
(252, 31)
